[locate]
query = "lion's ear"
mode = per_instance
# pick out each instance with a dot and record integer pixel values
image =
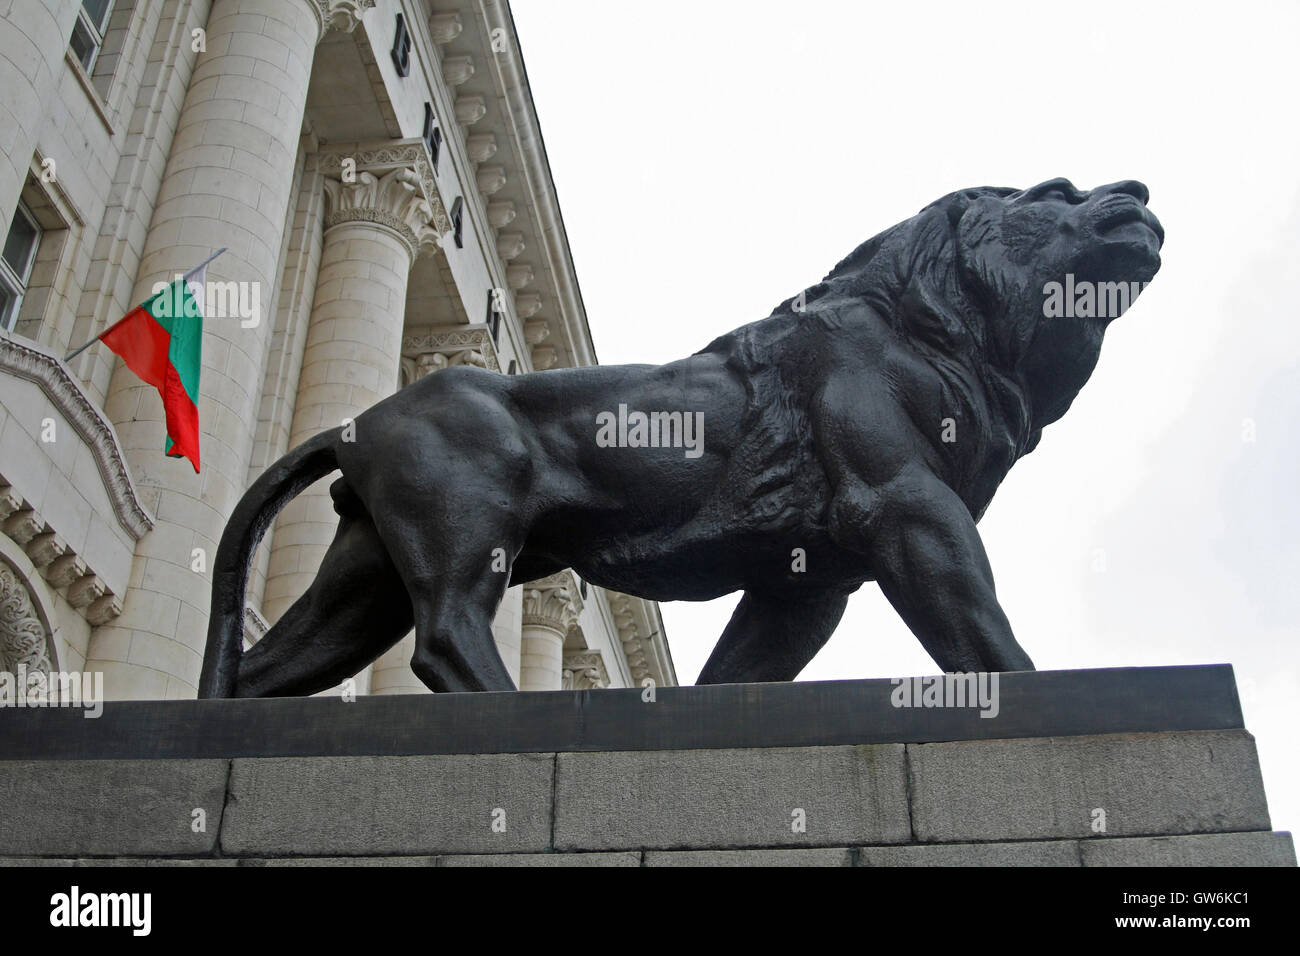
(955, 206)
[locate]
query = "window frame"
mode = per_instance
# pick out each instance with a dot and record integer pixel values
(96, 32)
(15, 282)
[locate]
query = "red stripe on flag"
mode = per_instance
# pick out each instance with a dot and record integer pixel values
(142, 343)
(182, 419)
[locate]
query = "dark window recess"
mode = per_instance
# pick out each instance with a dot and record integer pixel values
(514, 367)
(402, 48)
(457, 220)
(432, 135)
(493, 316)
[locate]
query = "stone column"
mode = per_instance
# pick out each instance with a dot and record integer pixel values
(227, 183)
(376, 222)
(551, 607)
(33, 37)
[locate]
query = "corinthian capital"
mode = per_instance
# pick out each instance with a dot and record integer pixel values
(342, 15)
(390, 184)
(553, 602)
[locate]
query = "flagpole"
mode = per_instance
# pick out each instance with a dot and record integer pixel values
(81, 348)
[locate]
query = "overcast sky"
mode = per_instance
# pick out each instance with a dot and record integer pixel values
(714, 158)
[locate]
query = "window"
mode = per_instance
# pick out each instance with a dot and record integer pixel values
(16, 264)
(458, 221)
(88, 33)
(432, 135)
(401, 51)
(493, 316)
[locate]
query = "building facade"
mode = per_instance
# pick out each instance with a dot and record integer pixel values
(375, 172)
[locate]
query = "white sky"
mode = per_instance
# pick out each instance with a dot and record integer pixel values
(714, 158)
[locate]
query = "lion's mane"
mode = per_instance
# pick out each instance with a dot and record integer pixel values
(937, 294)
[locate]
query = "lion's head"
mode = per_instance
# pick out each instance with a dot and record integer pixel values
(966, 277)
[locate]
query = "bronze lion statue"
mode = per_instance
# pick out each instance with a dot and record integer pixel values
(856, 434)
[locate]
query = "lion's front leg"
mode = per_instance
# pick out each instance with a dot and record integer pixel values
(930, 562)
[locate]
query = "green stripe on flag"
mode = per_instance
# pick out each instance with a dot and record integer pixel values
(177, 310)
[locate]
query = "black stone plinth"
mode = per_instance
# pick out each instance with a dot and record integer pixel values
(724, 716)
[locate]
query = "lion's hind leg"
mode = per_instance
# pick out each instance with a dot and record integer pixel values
(454, 556)
(355, 609)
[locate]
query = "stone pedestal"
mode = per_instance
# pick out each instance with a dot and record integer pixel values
(1133, 766)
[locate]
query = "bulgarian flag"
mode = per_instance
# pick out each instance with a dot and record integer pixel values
(161, 341)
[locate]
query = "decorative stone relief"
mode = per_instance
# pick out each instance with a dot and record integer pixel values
(510, 245)
(342, 15)
(553, 602)
(431, 351)
(379, 161)
(470, 109)
(23, 638)
(536, 331)
(629, 635)
(501, 214)
(544, 357)
(444, 27)
(518, 276)
(481, 147)
(394, 200)
(527, 304)
(58, 564)
(584, 670)
(255, 626)
(457, 69)
(490, 179)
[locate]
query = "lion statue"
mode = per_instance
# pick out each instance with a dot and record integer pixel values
(856, 434)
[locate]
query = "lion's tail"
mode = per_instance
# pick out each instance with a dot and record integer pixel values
(276, 487)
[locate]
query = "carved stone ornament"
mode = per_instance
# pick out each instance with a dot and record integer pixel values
(391, 184)
(583, 670)
(23, 639)
(552, 602)
(444, 27)
(427, 352)
(342, 15)
(394, 201)
(470, 109)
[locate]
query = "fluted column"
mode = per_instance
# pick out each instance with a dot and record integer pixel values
(227, 183)
(375, 224)
(551, 607)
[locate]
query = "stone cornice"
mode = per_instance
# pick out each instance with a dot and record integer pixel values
(63, 569)
(32, 362)
(508, 69)
(255, 626)
(640, 630)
